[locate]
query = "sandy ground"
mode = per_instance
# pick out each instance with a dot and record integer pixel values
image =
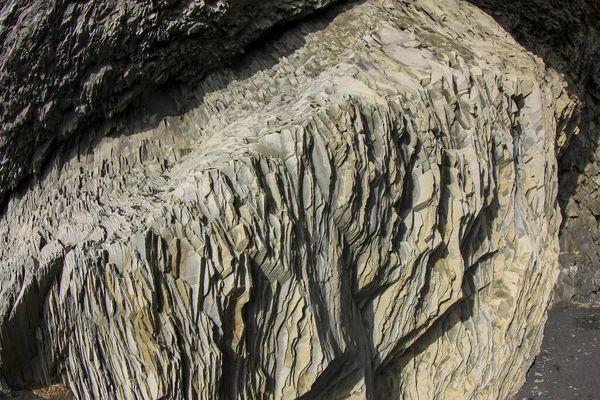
(568, 366)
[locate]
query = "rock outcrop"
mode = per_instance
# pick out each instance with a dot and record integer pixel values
(364, 207)
(66, 65)
(566, 34)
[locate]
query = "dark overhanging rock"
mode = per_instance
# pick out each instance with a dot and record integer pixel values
(565, 33)
(66, 65)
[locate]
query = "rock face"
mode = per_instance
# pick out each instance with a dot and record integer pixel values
(363, 208)
(66, 65)
(567, 34)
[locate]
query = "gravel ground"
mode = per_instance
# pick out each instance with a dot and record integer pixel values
(568, 366)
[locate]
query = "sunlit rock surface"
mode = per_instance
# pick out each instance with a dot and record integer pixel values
(364, 208)
(566, 33)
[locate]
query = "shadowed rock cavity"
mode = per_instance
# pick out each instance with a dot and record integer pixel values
(363, 208)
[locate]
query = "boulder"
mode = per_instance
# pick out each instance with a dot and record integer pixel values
(362, 207)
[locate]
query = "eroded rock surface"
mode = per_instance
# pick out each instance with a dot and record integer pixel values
(372, 215)
(67, 65)
(566, 33)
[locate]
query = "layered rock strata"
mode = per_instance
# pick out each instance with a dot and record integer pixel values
(567, 35)
(364, 208)
(65, 65)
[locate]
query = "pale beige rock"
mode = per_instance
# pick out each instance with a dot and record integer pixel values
(373, 216)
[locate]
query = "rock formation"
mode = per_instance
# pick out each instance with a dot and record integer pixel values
(566, 33)
(364, 207)
(66, 65)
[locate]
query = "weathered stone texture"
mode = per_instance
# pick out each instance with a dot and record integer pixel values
(373, 215)
(65, 65)
(566, 33)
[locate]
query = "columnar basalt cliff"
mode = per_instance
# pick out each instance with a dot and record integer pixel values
(66, 65)
(363, 207)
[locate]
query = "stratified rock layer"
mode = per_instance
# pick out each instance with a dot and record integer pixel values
(566, 33)
(374, 215)
(66, 65)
